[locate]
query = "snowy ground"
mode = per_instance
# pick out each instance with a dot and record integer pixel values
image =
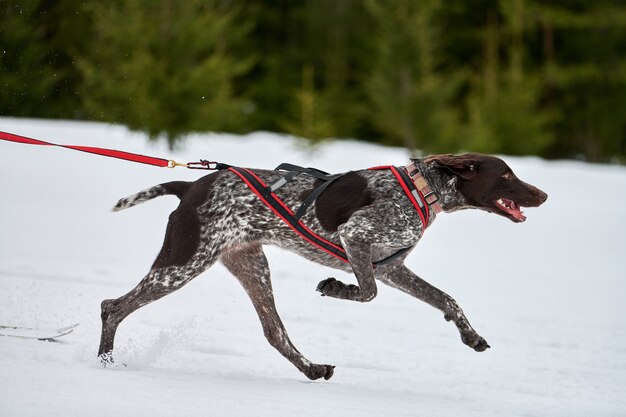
(548, 295)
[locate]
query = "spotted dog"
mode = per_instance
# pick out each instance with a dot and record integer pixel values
(366, 213)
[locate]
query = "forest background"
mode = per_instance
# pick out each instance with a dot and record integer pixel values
(517, 77)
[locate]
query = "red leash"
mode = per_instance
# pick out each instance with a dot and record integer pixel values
(112, 153)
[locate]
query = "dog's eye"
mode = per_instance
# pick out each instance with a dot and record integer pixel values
(508, 176)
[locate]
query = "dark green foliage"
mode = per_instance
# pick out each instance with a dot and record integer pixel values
(505, 103)
(310, 116)
(410, 100)
(586, 78)
(543, 77)
(38, 43)
(163, 68)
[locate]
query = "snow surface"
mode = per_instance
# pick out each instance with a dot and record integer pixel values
(548, 295)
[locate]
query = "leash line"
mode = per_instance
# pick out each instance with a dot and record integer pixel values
(114, 153)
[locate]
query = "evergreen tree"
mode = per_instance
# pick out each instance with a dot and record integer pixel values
(327, 39)
(311, 118)
(38, 44)
(339, 47)
(584, 50)
(410, 99)
(165, 68)
(504, 107)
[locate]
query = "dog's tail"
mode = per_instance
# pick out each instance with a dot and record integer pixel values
(177, 188)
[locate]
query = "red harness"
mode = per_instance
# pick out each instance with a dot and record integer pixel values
(273, 202)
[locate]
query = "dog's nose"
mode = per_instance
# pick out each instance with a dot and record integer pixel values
(541, 196)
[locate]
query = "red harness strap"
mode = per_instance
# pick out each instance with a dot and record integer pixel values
(421, 206)
(279, 208)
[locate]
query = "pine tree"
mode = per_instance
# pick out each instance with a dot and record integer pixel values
(310, 117)
(584, 48)
(327, 39)
(164, 67)
(504, 108)
(409, 98)
(38, 43)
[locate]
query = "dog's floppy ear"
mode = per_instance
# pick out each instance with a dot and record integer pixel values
(465, 166)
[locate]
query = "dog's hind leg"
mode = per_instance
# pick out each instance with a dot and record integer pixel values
(152, 287)
(185, 255)
(404, 279)
(157, 284)
(249, 265)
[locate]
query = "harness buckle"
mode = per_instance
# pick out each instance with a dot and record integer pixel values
(431, 194)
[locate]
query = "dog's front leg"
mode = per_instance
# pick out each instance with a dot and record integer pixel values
(364, 228)
(360, 257)
(404, 279)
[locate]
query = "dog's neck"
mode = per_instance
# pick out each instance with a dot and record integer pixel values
(444, 184)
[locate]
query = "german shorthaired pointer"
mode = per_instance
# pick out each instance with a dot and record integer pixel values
(368, 215)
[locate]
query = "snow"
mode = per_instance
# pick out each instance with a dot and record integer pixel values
(548, 295)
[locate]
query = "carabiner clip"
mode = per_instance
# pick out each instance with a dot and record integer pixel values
(203, 164)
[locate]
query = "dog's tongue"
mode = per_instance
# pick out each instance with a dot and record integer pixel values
(512, 208)
(517, 212)
(518, 215)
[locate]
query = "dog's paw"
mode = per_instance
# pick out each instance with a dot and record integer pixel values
(106, 359)
(330, 287)
(337, 289)
(324, 284)
(320, 371)
(475, 342)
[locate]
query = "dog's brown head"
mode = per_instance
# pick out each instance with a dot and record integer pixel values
(487, 183)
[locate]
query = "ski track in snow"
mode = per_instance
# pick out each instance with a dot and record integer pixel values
(548, 295)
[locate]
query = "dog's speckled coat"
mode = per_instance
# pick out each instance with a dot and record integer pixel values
(366, 212)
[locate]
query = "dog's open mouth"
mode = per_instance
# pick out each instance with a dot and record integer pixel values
(511, 209)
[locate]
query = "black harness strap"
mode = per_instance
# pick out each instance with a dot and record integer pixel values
(310, 199)
(392, 257)
(294, 170)
(317, 173)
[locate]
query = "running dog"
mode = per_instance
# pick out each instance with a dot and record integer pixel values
(365, 222)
